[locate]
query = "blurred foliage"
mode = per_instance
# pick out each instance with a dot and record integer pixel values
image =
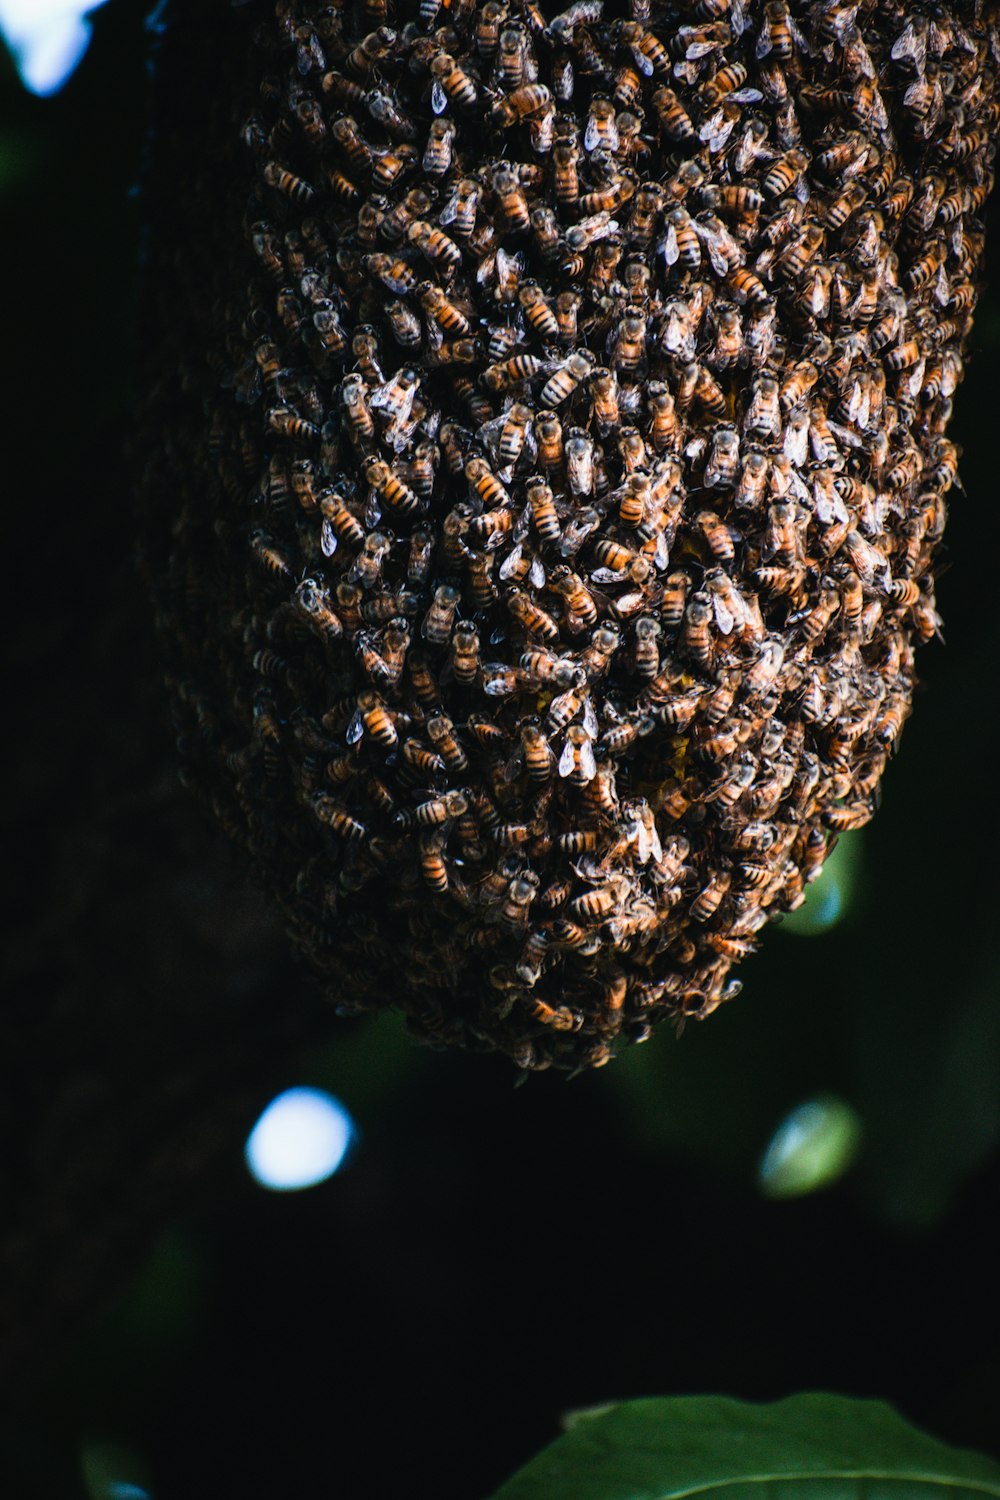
(491, 1256)
(804, 1445)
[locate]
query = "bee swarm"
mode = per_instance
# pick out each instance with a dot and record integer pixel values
(544, 467)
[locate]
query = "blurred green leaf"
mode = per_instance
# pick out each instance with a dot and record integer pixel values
(807, 1445)
(812, 1147)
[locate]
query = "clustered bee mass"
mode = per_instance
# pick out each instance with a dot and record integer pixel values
(555, 474)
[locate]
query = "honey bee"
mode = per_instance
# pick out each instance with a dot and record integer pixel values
(597, 904)
(708, 901)
(577, 763)
(451, 85)
(520, 367)
(488, 22)
(441, 732)
(286, 183)
(537, 311)
(681, 243)
(370, 51)
(927, 265)
(561, 386)
(664, 429)
(696, 631)
(779, 34)
(286, 424)
(335, 817)
(519, 896)
(674, 119)
(433, 868)
(440, 617)
(480, 566)
(531, 616)
(437, 156)
(601, 130)
(524, 102)
(459, 213)
(580, 604)
(785, 173)
(434, 245)
(510, 197)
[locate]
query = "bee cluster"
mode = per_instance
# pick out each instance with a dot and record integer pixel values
(554, 486)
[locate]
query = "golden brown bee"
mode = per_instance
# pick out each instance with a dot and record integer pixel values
(520, 893)
(372, 719)
(390, 487)
(537, 311)
(682, 243)
(696, 633)
(437, 306)
(530, 99)
(287, 424)
(438, 150)
(345, 527)
(779, 34)
(520, 367)
(441, 732)
(512, 203)
(785, 173)
(601, 131)
(337, 818)
(673, 117)
(432, 864)
(595, 905)
(396, 275)
(434, 244)
(376, 45)
(480, 566)
(560, 386)
(664, 428)
(440, 617)
(486, 484)
(285, 182)
(489, 530)
(530, 615)
(927, 266)
(649, 52)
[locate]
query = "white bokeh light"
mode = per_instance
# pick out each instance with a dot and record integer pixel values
(301, 1139)
(47, 39)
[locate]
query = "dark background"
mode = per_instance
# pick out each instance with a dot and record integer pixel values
(489, 1257)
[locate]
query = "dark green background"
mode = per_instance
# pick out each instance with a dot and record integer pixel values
(491, 1256)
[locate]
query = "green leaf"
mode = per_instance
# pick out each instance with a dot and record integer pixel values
(807, 1447)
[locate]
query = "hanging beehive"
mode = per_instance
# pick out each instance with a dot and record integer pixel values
(548, 453)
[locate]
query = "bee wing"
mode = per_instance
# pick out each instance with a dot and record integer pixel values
(724, 617)
(514, 766)
(642, 62)
(738, 17)
(588, 765)
(327, 539)
(486, 271)
(522, 524)
(745, 96)
(536, 573)
(511, 563)
(355, 729)
(608, 575)
(715, 242)
(567, 759)
(449, 211)
(439, 99)
(801, 41)
(764, 43)
(668, 246)
(590, 718)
